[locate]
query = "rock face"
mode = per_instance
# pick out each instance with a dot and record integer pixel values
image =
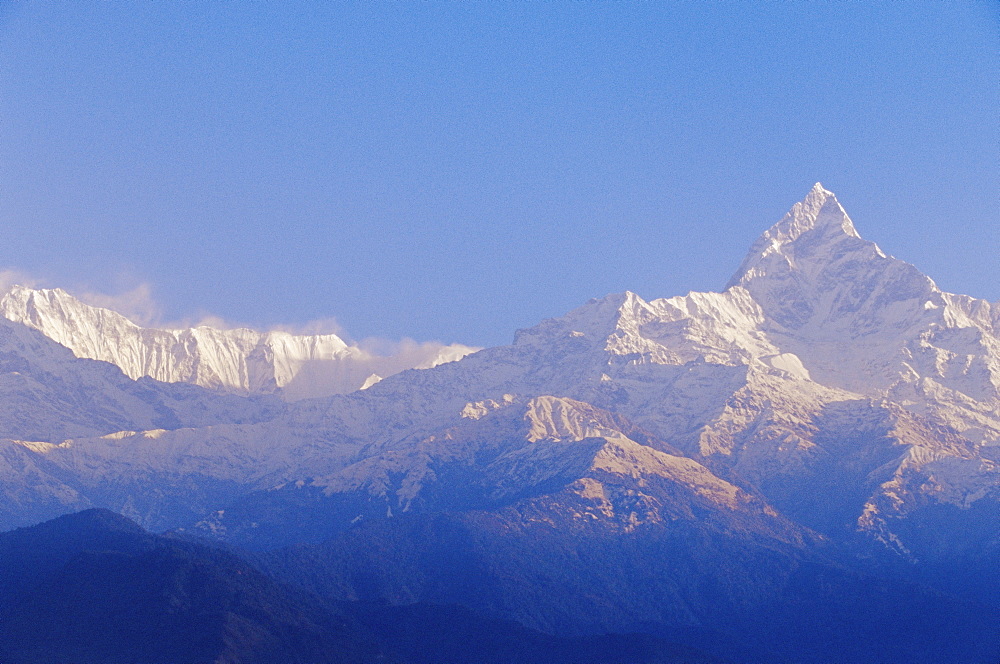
(829, 396)
(243, 361)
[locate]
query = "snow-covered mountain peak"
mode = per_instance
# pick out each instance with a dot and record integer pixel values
(592, 322)
(859, 319)
(52, 308)
(815, 229)
(813, 272)
(818, 211)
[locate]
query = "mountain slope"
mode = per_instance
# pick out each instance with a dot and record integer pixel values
(102, 590)
(743, 598)
(500, 454)
(94, 587)
(50, 395)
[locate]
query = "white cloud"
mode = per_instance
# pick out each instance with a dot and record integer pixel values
(389, 356)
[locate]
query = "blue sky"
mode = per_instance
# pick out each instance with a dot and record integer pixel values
(455, 171)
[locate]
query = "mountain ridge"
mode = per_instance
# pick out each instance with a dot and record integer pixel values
(239, 360)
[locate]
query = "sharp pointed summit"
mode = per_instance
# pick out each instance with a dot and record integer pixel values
(811, 228)
(813, 269)
(819, 210)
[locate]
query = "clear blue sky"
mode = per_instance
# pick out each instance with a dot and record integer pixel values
(454, 171)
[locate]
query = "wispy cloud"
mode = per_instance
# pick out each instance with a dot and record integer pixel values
(393, 356)
(137, 304)
(10, 278)
(318, 326)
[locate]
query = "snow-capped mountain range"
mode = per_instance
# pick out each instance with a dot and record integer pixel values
(829, 391)
(241, 360)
